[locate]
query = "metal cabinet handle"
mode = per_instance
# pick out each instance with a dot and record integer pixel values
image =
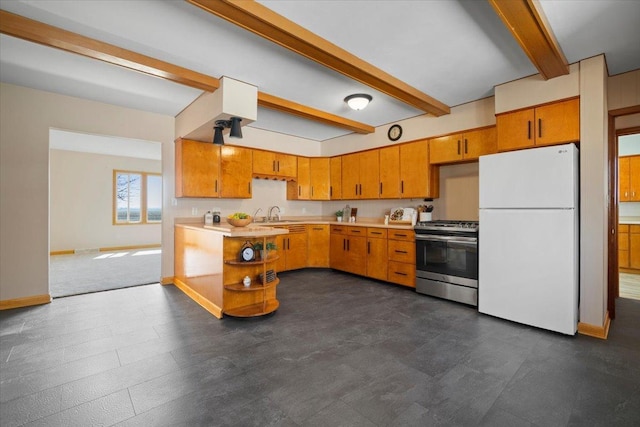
(399, 273)
(380, 188)
(369, 248)
(216, 185)
(458, 147)
(249, 186)
(528, 129)
(401, 252)
(331, 191)
(312, 191)
(278, 165)
(402, 187)
(273, 166)
(466, 148)
(299, 190)
(539, 128)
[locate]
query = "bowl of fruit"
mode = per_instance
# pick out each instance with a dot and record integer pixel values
(239, 219)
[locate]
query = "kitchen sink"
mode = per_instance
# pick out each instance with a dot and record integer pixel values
(282, 221)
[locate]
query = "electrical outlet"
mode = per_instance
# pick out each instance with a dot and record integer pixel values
(174, 201)
(194, 211)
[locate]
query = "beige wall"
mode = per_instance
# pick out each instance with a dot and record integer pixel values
(623, 90)
(26, 116)
(81, 207)
(593, 190)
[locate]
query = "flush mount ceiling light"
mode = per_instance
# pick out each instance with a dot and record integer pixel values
(233, 124)
(358, 101)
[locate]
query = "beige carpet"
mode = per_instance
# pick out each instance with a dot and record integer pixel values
(630, 286)
(101, 271)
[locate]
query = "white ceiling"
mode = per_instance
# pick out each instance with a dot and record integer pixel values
(454, 50)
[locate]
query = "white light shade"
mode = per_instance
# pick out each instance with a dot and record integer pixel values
(358, 101)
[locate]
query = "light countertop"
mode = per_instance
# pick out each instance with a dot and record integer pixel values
(629, 220)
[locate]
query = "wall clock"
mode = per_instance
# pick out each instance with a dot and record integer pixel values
(395, 132)
(247, 252)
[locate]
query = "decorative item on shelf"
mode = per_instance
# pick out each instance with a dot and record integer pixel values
(339, 216)
(247, 252)
(401, 216)
(271, 276)
(216, 216)
(262, 252)
(353, 215)
(239, 219)
(246, 281)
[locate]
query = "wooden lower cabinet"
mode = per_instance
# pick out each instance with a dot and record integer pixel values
(377, 253)
(623, 246)
(402, 257)
(348, 251)
(318, 245)
(634, 247)
(292, 248)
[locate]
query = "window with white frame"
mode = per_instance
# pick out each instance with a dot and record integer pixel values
(137, 197)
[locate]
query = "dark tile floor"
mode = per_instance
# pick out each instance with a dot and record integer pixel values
(341, 350)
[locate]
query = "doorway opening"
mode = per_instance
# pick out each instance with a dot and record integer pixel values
(105, 212)
(628, 143)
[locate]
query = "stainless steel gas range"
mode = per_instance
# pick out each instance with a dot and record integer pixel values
(447, 260)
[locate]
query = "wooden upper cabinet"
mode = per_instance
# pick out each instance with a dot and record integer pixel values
(463, 147)
(235, 173)
(550, 124)
(197, 169)
(446, 149)
(335, 173)
(272, 165)
(479, 142)
(417, 177)
(389, 172)
(360, 175)
(312, 182)
(320, 178)
(629, 178)
(369, 174)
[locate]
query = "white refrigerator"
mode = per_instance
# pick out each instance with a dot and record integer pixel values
(528, 243)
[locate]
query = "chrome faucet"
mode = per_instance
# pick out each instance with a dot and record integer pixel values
(256, 213)
(270, 217)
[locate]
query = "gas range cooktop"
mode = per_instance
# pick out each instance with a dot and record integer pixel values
(447, 225)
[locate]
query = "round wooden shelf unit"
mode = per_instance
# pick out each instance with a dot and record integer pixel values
(240, 287)
(260, 309)
(258, 262)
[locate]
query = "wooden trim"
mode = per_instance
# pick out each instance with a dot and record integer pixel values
(264, 22)
(65, 252)
(9, 304)
(625, 111)
(38, 32)
(601, 332)
(527, 23)
(167, 280)
(280, 104)
(202, 301)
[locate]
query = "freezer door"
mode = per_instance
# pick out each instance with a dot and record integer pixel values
(544, 177)
(528, 268)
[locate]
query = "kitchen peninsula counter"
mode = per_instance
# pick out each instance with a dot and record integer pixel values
(207, 268)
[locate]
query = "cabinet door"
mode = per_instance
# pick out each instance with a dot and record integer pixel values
(296, 250)
(337, 251)
(417, 177)
(624, 179)
(634, 178)
(634, 250)
(369, 174)
(319, 167)
(197, 166)
(235, 173)
(623, 246)
(445, 149)
(281, 243)
(350, 176)
(558, 123)
(516, 130)
(356, 259)
(377, 258)
(335, 165)
(318, 246)
(479, 142)
(304, 178)
(264, 163)
(286, 165)
(389, 172)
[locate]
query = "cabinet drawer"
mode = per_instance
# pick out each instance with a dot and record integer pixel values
(378, 233)
(402, 273)
(338, 229)
(407, 235)
(357, 231)
(402, 251)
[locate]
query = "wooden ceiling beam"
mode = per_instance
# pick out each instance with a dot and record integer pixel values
(528, 24)
(38, 32)
(47, 35)
(279, 104)
(264, 22)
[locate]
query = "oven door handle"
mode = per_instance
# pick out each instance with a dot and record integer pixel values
(448, 239)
